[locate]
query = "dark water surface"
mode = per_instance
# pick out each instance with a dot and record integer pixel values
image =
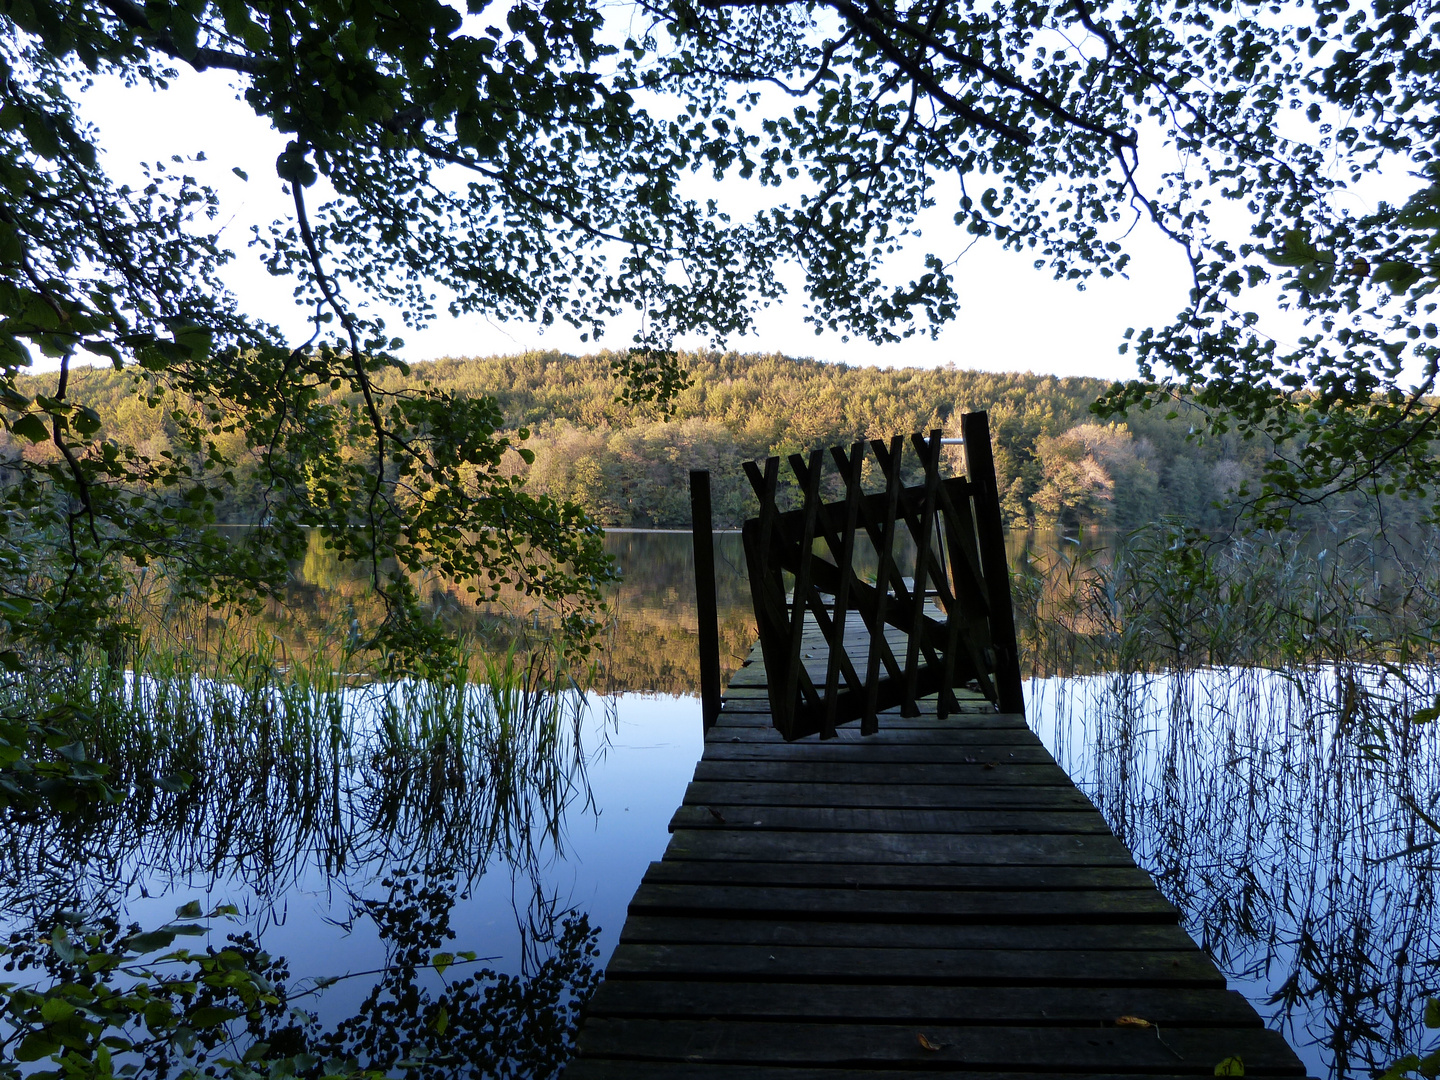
(1236, 789)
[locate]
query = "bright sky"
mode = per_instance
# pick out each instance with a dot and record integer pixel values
(1013, 317)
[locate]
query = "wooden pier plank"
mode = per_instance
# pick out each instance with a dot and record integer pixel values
(848, 1045)
(897, 905)
(855, 819)
(929, 1005)
(697, 930)
(935, 898)
(867, 876)
(864, 796)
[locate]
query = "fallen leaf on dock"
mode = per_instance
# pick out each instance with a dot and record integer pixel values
(1131, 1021)
(716, 815)
(926, 1044)
(1231, 1066)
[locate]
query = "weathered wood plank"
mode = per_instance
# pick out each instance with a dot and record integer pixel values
(747, 703)
(954, 967)
(890, 877)
(626, 1069)
(702, 929)
(852, 1045)
(906, 1002)
(915, 848)
(986, 756)
(854, 820)
(887, 796)
(901, 905)
(930, 735)
(862, 772)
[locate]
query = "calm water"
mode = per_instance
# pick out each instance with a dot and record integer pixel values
(1286, 847)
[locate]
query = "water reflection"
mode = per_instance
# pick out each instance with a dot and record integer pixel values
(473, 1023)
(268, 782)
(1286, 826)
(1273, 808)
(290, 797)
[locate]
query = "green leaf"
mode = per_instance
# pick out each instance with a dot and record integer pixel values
(189, 911)
(105, 349)
(1401, 1069)
(36, 1045)
(442, 960)
(442, 1020)
(64, 948)
(15, 607)
(1432, 1013)
(1399, 275)
(196, 340)
(31, 427)
(150, 941)
(209, 1016)
(175, 783)
(1231, 1066)
(56, 1009)
(86, 421)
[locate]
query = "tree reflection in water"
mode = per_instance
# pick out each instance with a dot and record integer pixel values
(480, 1023)
(1284, 814)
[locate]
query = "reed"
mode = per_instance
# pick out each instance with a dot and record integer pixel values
(1167, 597)
(240, 763)
(1255, 719)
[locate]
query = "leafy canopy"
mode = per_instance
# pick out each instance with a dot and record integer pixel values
(491, 158)
(530, 160)
(1240, 129)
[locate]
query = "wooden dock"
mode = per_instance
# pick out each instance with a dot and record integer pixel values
(939, 897)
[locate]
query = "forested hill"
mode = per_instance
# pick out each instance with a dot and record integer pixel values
(628, 466)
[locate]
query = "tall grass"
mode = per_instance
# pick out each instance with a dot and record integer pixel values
(1170, 598)
(234, 763)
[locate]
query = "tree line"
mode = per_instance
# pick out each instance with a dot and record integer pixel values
(625, 464)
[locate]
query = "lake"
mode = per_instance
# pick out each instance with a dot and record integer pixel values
(1274, 820)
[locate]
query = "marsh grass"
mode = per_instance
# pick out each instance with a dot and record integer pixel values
(1170, 598)
(236, 764)
(1255, 719)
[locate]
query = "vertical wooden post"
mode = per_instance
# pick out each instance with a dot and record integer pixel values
(980, 466)
(703, 537)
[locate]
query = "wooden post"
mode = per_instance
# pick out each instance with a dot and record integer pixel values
(702, 534)
(980, 466)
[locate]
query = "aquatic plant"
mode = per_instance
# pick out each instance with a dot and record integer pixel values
(1169, 597)
(259, 770)
(1255, 718)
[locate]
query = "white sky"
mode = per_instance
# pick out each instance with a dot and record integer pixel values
(1012, 318)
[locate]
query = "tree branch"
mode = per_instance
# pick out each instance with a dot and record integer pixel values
(133, 16)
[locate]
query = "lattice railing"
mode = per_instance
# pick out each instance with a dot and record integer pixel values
(927, 624)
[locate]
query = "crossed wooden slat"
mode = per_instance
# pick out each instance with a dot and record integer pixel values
(959, 562)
